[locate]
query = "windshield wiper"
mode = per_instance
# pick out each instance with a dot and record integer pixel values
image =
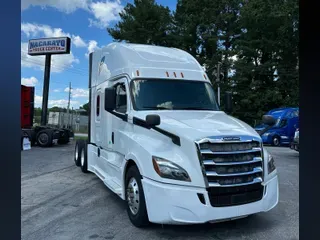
(155, 108)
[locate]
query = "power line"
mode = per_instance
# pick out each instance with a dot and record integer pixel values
(68, 69)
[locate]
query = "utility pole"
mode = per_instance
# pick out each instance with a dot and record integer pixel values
(218, 81)
(68, 109)
(71, 118)
(45, 94)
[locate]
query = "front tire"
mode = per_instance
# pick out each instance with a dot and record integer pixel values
(136, 205)
(276, 141)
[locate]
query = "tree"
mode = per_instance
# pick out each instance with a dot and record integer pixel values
(266, 75)
(257, 40)
(37, 111)
(85, 107)
(143, 22)
(57, 109)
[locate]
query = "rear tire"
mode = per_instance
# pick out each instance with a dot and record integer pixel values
(84, 156)
(136, 205)
(44, 138)
(77, 153)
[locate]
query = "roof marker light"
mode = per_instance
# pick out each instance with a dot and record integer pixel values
(205, 77)
(175, 75)
(182, 75)
(167, 74)
(138, 73)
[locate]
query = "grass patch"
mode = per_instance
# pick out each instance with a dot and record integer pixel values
(80, 138)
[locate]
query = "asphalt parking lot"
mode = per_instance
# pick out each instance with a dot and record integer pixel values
(58, 201)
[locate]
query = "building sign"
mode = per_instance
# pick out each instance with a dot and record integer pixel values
(45, 46)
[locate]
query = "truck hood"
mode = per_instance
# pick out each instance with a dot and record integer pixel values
(195, 125)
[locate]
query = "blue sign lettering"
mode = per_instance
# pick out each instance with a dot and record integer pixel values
(41, 46)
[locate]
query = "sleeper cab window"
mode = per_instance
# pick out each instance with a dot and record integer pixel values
(121, 99)
(98, 106)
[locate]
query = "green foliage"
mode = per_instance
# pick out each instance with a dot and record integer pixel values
(85, 107)
(37, 112)
(57, 109)
(143, 22)
(257, 40)
(266, 72)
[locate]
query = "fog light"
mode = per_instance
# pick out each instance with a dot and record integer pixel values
(271, 164)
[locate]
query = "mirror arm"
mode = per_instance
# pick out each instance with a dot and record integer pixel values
(265, 130)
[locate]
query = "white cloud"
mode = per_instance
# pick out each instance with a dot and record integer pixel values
(67, 6)
(57, 90)
(58, 62)
(78, 42)
(34, 30)
(57, 103)
(38, 100)
(104, 12)
(41, 30)
(78, 92)
(93, 45)
(32, 81)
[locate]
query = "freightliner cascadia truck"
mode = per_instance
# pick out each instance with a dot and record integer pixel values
(43, 136)
(158, 139)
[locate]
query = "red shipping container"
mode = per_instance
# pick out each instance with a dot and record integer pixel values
(27, 106)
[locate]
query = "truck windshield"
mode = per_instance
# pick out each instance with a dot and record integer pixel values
(173, 95)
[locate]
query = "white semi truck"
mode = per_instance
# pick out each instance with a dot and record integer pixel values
(158, 139)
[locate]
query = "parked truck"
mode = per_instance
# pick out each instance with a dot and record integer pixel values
(282, 133)
(295, 143)
(158, 139)
(43, 136)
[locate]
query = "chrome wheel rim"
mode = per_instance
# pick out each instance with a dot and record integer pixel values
(43, 138)
(82, 157)
(276, 141)
(76, 153)
(133, 196)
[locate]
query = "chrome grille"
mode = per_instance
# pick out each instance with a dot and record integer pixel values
(232, 165)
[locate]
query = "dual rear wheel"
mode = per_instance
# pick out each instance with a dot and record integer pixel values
(81, 155)
(134, 194)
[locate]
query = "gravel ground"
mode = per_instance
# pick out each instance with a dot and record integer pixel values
(58, 201)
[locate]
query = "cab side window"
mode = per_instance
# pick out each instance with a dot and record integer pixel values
(283, 123)
(98, 106)
(295, 114)
(121, 99)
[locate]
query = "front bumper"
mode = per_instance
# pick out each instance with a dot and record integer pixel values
(295, 145)
(173, 204)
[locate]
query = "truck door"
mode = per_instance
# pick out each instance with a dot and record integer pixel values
(116, 135)
(293, 123)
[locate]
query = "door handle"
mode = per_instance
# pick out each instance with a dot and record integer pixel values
(112, 137)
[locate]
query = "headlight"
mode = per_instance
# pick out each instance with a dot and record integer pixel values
(266, 134)
(271, 165)
(167, 169)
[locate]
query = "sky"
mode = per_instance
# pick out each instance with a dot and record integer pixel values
(85, 22)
